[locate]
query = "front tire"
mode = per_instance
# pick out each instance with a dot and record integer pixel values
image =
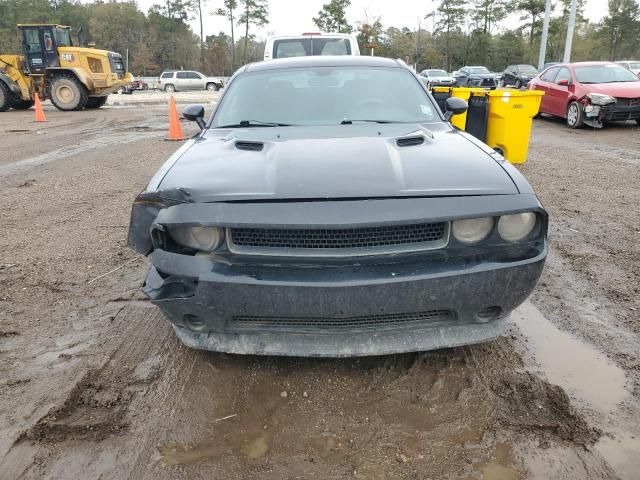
(5, 97)
(169, 89)
(67, 93)
(213, 87)
(96, 102)
(575, 115)
(518, 84)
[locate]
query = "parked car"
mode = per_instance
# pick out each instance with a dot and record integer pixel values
(180, 80)
(436, 78)
(589, 93)
(518, 75)
(321, 213)
(310, 44)
(633, 65)
(476, 77)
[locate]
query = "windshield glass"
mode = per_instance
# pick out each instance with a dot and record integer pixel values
(527, 69)
(325, 96)
(63, 37)
(604, 74)
(437, 73)
(478, 70)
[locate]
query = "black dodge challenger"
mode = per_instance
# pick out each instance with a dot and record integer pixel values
(328, 208)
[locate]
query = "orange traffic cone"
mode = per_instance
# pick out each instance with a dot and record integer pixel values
(175, 131)
(39, 112)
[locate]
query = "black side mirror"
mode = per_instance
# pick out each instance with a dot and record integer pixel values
(194, 113)
(455, 106)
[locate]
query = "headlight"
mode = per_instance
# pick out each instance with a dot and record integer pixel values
(472, 230)
(600, 99)
(515, 227)
(205, 239)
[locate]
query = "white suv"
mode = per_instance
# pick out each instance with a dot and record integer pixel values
(179, 80)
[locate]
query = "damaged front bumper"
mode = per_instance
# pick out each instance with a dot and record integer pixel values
(341, 307)
(622, 110)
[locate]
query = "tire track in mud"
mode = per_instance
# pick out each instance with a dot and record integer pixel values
(97, 407)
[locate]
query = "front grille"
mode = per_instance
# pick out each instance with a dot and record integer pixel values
(421, 236)
(429, 318)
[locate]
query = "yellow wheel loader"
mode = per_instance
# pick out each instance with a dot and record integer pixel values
(73, 78)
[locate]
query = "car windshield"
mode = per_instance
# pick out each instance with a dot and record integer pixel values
(527, 69)
(604, 74)
(478, 70)
(325, 96)
(437, 73)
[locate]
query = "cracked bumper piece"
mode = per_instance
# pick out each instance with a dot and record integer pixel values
(337, 312)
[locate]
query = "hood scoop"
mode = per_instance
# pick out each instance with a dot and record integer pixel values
(250, 146)
(410, 141)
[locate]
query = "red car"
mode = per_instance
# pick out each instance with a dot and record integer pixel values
(589, 93)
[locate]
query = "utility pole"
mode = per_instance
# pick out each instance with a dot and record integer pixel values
(545, 34)
(415, 60)
(572, 24)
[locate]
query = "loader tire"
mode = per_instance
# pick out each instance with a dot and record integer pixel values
(22, 104)
(96, 102)
(5, 97)
(67, 93)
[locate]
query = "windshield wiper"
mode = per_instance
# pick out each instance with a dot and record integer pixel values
(255, 123)
(348, 121)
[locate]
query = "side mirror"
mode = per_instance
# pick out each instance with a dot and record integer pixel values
(563, 82)
(194, 113)
(455, 106)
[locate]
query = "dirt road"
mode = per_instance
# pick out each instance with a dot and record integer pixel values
(94, 384)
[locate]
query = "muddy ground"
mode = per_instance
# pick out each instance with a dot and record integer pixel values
(93, 383)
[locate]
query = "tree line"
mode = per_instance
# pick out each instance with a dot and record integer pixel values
(452, 33)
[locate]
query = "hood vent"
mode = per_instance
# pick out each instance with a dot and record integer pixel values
(410, 141)
(250, 146)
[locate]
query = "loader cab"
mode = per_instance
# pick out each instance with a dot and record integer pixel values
(40, 45)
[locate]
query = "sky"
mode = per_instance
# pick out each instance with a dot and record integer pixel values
(295, 16)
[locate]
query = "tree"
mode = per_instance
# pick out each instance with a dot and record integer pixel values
(487, 13)
(255, 12)
(622, 25)
(452, 13)
(227, 11)
(332, 17)
(531, 9)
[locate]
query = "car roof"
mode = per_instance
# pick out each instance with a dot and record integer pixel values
(323, 61)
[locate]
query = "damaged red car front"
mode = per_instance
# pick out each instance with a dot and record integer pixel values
(590, 93)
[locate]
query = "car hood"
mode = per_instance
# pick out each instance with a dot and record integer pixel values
(440, 79)
(620, 89)
(347, 161)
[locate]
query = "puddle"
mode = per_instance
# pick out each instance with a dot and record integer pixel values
(500, 469)
(586, 374)
(621, 451)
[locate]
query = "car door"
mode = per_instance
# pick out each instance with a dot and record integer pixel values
(507, 75)
(182, 83)
(543, 84)
(196, 80)
(462, 76)
(558, 92)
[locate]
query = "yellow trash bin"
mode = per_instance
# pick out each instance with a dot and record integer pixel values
(460, 121)
(511, 114)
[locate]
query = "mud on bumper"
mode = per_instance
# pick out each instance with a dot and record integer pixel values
(307, 312)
